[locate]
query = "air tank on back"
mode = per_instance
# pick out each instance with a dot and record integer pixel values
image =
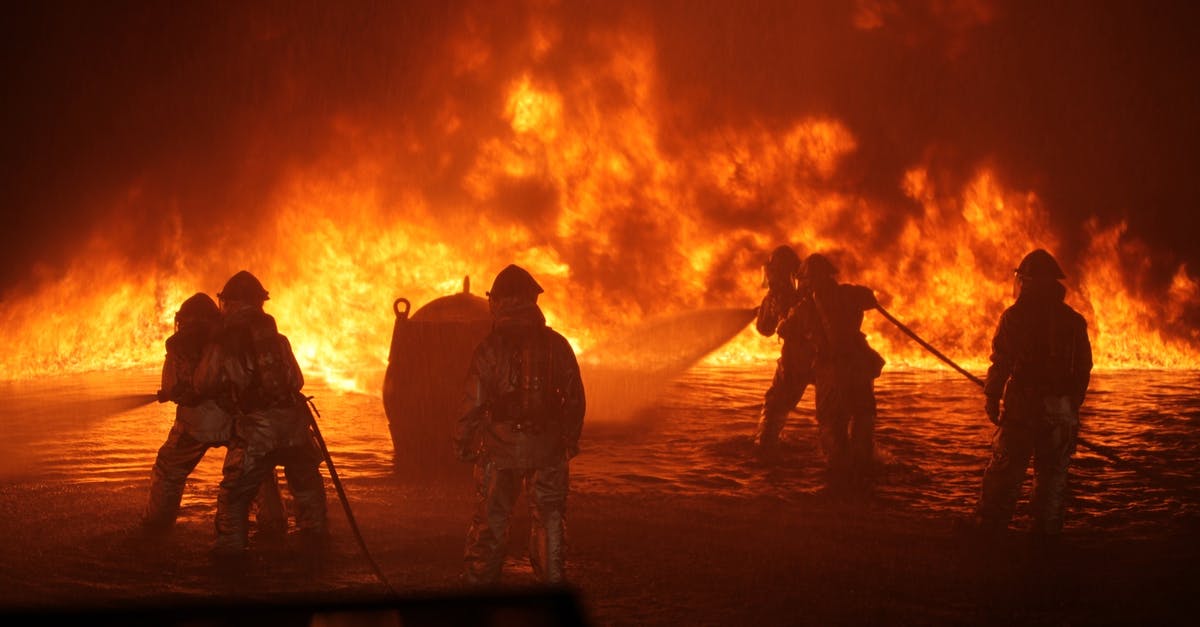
(423, 385)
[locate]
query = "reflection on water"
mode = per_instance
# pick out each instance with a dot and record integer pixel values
(932, 439)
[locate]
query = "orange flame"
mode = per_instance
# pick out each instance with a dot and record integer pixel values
(616, 223)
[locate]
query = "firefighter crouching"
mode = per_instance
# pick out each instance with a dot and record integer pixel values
(521, 421)
(251, 368)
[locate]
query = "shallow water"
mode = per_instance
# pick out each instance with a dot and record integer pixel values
(671, 519)
(694, 440)
(932, 442)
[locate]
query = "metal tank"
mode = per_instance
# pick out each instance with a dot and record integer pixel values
(423, 386)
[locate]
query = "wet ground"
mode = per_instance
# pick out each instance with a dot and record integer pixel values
(671, 520)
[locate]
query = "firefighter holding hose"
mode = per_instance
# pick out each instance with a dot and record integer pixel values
(1041, 363)
(844, 369)
(793, 370)
(250, 367)
(200, 424)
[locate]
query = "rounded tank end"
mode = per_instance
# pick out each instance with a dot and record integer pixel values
(463, 306)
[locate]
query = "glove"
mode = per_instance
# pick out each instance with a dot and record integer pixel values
(992, 407)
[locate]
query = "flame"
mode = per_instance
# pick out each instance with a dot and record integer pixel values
(1130, 329)
(534, 111)
(578, 177)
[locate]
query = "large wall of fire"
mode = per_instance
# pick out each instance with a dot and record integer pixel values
(639, 158)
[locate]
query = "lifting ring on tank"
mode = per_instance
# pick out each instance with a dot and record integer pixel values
(396, 308)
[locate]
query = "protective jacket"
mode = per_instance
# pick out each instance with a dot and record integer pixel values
(779, 315)
(199, 416)
(833, 319)
(1040, 349)
(183, 354)
(773, 309)
(524, 401)
(845, 367)
(251, 370)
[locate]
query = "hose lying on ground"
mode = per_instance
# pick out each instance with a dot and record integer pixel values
(341, 492)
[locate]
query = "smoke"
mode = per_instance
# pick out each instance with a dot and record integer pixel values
(1082, 104)
(167, 130)
(135, 119)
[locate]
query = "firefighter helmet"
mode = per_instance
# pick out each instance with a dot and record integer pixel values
(1039, 264)
(243, 286)
(198, 307)
(783, 260)
(514, 281)
(817, 265)
(781, 267)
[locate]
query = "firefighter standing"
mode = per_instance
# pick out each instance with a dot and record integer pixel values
(200, 424)
(845, 368)
(521, 421)
(793, 370)
(251, 368)
(1041, 363)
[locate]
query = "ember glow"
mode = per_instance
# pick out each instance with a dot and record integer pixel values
(561, 149)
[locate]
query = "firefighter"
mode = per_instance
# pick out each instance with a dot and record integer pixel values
(793, 370)
(251, 369)
(844, 367)
(200, 424)
(1041, 362)
(521, 421)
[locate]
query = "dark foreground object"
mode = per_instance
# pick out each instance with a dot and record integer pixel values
(549, 608)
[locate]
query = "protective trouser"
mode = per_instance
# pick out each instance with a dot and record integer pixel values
(846, 423)
(497, 491)
(787, 387)
(1047, 434)
(243, 473)
(176, 460)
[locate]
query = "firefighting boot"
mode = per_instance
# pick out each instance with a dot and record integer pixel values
(766, 437)
(546, 489)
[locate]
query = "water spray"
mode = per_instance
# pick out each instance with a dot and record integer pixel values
(110, 405)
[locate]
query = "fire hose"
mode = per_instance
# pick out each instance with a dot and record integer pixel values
(313, 414)
(1103, 451)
